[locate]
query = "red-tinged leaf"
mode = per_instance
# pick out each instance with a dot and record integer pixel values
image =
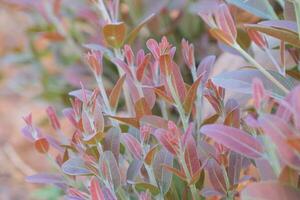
(53, 117)
(278, 130)
(154, 121)
(133, 146)
(152, 45)
(225, 21)
(128, 53)
(41, 145)
(127, 120)
(162, 93)
(216, 176)
(165, 64)
(234, 139)
(114, 34)
(116, 92)
(191, 158)
(289, 176)
(150, 155)
(94, 59)
(258, 92)
(270, 190)
(187, 51)
(178, 81)
(96, 192)
(232, 109)
(177, 172)
(281, 33)
(257, 38)
(168, 139)
(141, 67)
(132, 35)
(141, 108)
(191, 96)
(221, 36)
(46, 178)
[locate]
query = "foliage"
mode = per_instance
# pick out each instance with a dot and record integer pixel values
(150, 136)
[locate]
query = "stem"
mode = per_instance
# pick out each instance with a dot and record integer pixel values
(183, 117)
(187, 173)
(260, 68)
(103, 11)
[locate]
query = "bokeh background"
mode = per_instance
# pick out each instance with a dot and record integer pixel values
(42, 59)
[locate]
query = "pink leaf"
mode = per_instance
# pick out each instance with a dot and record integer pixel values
(133, 146)
(278, 130)
(216, 176)
(96, 192)
(234, 139)
(53, 117)
(258, 92)
(168, 139)
(225, 21)
(191, 158)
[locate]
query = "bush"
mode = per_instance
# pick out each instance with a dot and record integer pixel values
(153, 135)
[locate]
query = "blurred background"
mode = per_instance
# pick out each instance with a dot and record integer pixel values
(42, 59)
